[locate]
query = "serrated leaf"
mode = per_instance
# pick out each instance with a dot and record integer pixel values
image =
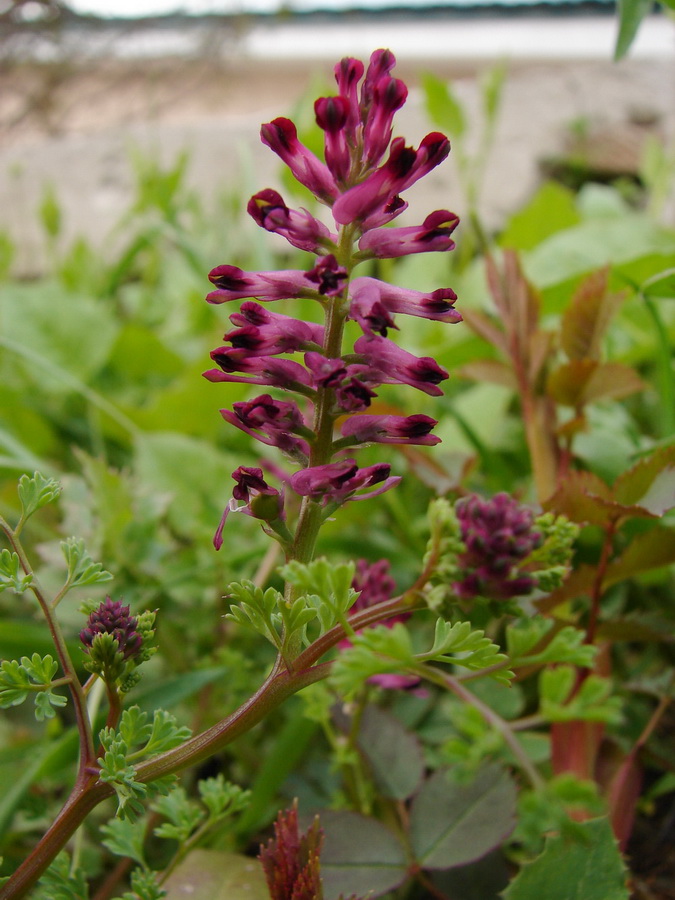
(46, 703)
(580, 497)
(394, 753)
(125, 838)
(492, 370)
(360, 856)
(651, 550)
(35, 492)
(587, 869)
(583, 381)
(587, 317)
(134, 728)
(650, 483)
(452, 824)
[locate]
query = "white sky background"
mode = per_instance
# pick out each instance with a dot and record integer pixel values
(133, 8)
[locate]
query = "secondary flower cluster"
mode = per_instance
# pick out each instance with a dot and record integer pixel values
(334, 388)
(498, 535)
(113, 619)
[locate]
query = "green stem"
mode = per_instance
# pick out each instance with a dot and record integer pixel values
(664, 360)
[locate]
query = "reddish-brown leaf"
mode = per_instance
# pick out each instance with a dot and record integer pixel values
(486, 327)
(583, 498)
(650, 483)
(491, 370)
(586, 318)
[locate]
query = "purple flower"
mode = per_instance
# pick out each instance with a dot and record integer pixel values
(376, 585)
(113, 618)
(433, 234)
(329, 276)
(403, 168)
(391, 429)
(234, 284)
(300, 229)
(362, 177)
(272, 422)
(262, 333)
(498, 535)
(266, 370)
(281, 136)
(339, 481)
(397, 366)
(260, 500)
(332, 115)
(373, 302)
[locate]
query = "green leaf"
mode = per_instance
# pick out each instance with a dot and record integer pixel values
(35, 492)
(359, 856)
(631, 14)
(126, 838)
(134, 728)
(652, 549)
(552, 209)
(217, 875)
(82, 570)
(62, 881)
(452, 824)
(394, 754)
(443, 107)
(183, 815)
(46, 703)
(661, 285)
(591, 702)
(50, 212)
(564, 646)
(11, 573)
(587, 869)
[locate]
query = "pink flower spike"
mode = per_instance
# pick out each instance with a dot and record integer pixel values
(300, 228)
(432, 235)
(234, 284)
(391, 429)
(281, 136)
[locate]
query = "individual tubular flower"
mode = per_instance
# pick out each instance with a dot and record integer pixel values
(498, 535)
(336, 482)
(272, 422)
(281, 136)
(300, 229)
(397, 366)
(372, 301)
(389, 430)
(259, 500)
(267, 370)
(433, 234)
(234, 284)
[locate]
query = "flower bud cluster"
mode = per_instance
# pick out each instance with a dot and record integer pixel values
(116, 642)
(498, 534)
(361, 179)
